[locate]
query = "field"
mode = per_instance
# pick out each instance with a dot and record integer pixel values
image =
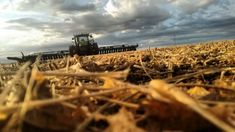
(182, 88)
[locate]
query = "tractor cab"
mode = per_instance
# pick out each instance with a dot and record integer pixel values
(83, 45)
(81, 39)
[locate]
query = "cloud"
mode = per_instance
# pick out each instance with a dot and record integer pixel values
(102, 22)
(72, 6)
(29, 22)
(192, 6)
(57, 6)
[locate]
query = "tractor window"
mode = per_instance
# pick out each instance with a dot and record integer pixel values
(83, 40)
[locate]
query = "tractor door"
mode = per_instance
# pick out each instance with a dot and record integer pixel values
(83, 45)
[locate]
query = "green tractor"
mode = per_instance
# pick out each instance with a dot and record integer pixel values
(83, 45)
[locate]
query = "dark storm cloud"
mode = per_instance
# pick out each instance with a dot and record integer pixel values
(62, 6)
(192, 31)
(98, 22)
(73, 7)
(95, 22)
(193, 6)
(223, 26)
(28, 23)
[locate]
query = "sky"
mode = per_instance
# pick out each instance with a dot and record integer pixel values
(48, 25)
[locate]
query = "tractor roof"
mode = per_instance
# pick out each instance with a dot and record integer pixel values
(82, 35)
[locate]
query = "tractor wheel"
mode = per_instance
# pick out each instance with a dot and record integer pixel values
(72, 50)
